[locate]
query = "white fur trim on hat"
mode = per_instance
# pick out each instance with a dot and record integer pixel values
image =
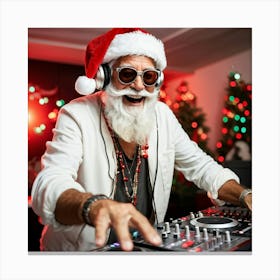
(137, 43)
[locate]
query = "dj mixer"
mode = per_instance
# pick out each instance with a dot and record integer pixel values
(215, 229)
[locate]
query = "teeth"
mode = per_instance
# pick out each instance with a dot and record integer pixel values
(134, 97)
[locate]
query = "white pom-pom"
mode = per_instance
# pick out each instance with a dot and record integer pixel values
(85, 85)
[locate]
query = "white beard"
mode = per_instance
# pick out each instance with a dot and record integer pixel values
(131, 123)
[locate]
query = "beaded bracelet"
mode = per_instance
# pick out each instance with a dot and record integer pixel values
(87, 204)
(242, 196)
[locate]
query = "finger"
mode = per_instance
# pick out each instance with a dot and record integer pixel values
(147, 231)
(101, 221)
(100, 234)
(123, 235)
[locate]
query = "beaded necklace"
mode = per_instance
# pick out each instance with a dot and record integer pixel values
(142, 151)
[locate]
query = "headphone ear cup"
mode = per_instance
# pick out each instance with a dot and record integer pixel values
(103, 76)
(160, 80)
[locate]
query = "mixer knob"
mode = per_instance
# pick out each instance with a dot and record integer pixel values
(164, 234)
(176, 233)
(197, 234)
(217, 232)
(167, 227)
(219, 240)
(192, 216)
(211, 245)
(205, 234)
(199, 214)
(187, 232)
(228, 238)
(214, 242)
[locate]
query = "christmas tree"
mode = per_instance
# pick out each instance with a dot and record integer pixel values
(236, 121)
(192, 119)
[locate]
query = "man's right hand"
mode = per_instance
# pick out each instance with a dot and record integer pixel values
(108, 213)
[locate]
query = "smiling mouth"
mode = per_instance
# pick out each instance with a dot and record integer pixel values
(134, 99)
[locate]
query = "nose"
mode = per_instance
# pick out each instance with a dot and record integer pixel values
(138, 84)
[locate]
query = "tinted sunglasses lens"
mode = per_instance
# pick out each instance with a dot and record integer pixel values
(127, 75)
(150, 77)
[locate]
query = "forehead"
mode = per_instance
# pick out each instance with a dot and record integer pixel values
(136, 61)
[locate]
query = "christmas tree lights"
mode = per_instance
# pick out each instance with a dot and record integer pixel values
(42, 110)
(237, 116)
(189, 115)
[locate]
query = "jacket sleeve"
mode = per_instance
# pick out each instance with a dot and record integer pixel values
(60, 164)
(196, 165)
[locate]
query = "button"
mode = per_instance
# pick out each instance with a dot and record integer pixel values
(187, 244)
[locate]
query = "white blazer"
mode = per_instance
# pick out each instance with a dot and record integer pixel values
(81, 155)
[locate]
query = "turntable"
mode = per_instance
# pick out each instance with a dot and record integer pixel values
(214, 222)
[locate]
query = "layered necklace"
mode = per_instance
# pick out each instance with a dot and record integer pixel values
(141, 152)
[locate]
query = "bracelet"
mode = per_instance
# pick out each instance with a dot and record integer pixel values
(86, 207)
(242, 196)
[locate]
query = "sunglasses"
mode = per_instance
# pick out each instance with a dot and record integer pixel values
(127, 75)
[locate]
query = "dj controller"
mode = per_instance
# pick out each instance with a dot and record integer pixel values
(215, 229)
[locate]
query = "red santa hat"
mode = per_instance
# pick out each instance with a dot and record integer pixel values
(116, 43)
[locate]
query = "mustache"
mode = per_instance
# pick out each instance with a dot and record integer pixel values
(129, 91)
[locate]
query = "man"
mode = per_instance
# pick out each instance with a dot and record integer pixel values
(110, 164)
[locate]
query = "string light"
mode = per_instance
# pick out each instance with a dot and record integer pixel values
(240, 106)
(42, 126)
(236, 99)
(238, 136)
(219, 145)
(224, 111)
(249, 87)
(41, 101)
(31, 89)
(224, 130)
(203, 136)
(236, 128)
(194, 124)
(52, 115)
(60, 103)
(37, 130)
(237, 76)
(231, 98)
(237, 117)
(176, 106)
(221, 159)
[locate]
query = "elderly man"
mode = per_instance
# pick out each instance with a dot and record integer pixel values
(109, 166)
